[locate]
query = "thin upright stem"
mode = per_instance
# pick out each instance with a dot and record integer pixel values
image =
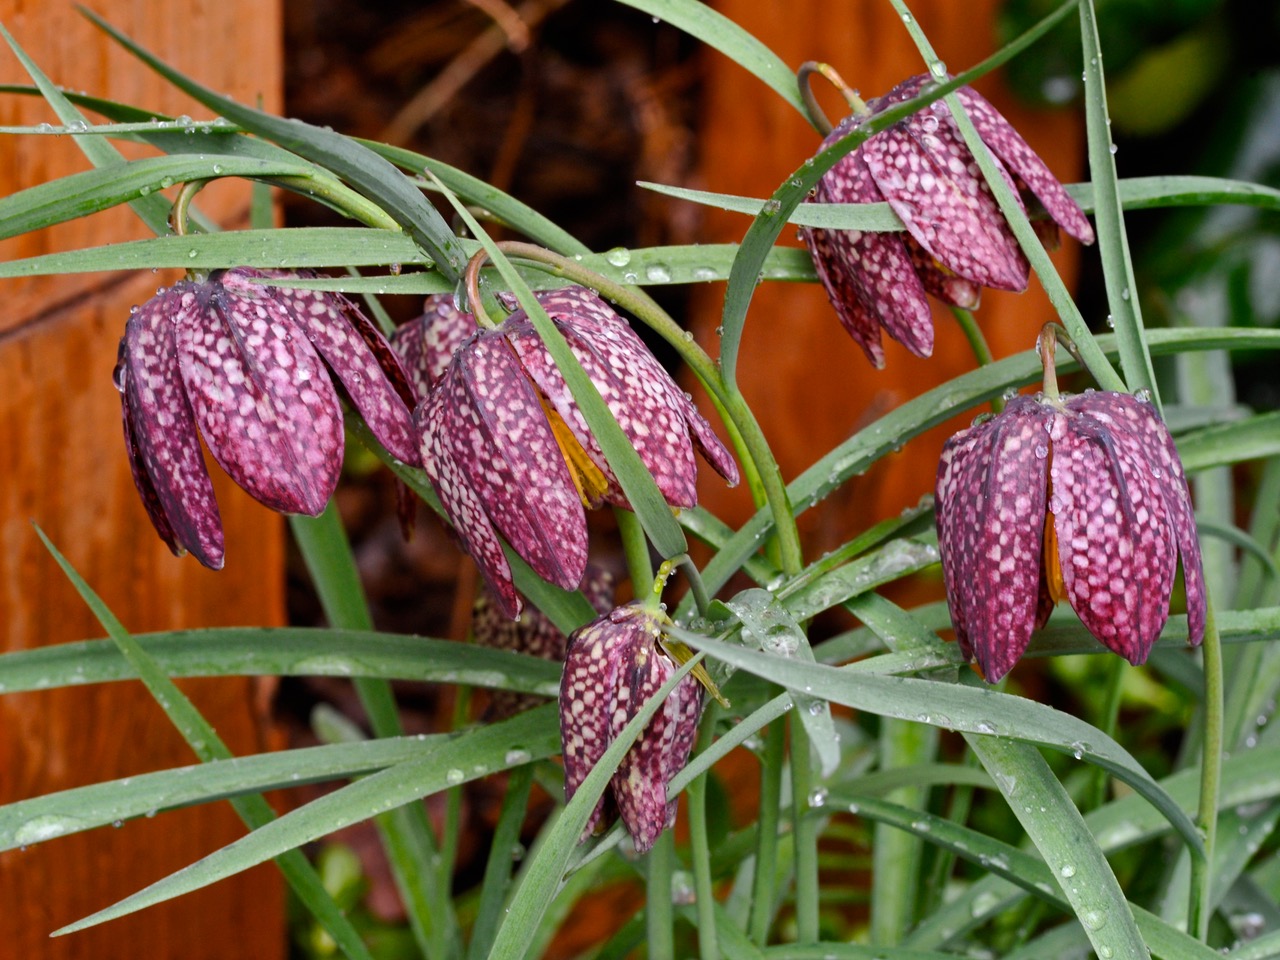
(763, 891)
(659, 914)
(1210, 777)
(700, 847)
(805, 829)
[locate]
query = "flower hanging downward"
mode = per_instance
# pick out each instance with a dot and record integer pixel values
(957, 240)
(509, 453)
(250, 364)
(1082, 498)
(614, 665)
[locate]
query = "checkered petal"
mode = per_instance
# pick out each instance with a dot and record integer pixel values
(589, 690)
(462, 504)
(652, 411)
(990, 516)
(353, 348)
(261, 395)
(947, 287)
(929, 177)
(427, 343)
(1115, 540)
(1143, 443)
(160, 433)
(1007, 144)
(498, 434)
(869, 277)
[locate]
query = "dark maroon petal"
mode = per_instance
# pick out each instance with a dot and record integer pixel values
(354, 350)
(709, 445)
(927, 174)
(462, 506)
(262, 397)
(427, 343)
(868, 277)
(904, 91)
(499, 435)
(160, 433)
(1142, 436)
(588, 700)
(1115, 540)
(940, 283)
(1007, 144)
(991, 508)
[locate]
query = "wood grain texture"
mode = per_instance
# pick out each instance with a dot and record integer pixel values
(65, 469)
(807, 381)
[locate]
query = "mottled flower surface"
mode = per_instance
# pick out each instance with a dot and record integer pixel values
(1083, 499)
(957, 240)
(533, 634)
(614, 665)
(509, 453)
(248, 367)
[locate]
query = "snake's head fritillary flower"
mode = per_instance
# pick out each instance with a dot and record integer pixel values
(1083, 499)
(250, 367)
(509, 453)
(957, 240)
(533, 633)
(614, 664)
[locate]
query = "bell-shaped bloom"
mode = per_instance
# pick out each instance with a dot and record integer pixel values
(957, 240)
(509, 453)
(1083, 499)
(533, 633)
(614, 665)
(250, 366)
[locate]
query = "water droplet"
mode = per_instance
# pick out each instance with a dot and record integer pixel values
(1113, 148)
(815, 708)
(629, 277)
(929, 124)
(1111, 322)
(938, 69)
(517, 756)
(1124, 294)
(818, 797)
(906, 18)
(454, 776)
(1094, 919)
(76, 126)
(1042, 451)
(771, 207)
(192, 254)
(217, 168)
(618, 256)
(1068, 870)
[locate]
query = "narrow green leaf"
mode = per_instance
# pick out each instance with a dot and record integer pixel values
(370, 174)
(1253, 439)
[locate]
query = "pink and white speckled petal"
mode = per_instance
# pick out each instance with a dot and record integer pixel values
(262, 397)
(640, 783)
(709, 445)
(589, 700)
(160, 433)
(501, 439)
(427, 343)
(1007, 144)
(869, 277)
(1144, 440)
(462, 505)
(991, 507)
(1115, 542)
(353, 349)
(927, 174)
(939, 283)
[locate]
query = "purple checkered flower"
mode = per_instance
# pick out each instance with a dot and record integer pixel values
(614, 665)
(533, 634)
(509, 453)
(1083, 499)
(957, 240)
(252, 367)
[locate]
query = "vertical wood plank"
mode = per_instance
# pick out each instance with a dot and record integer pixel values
(66, 470)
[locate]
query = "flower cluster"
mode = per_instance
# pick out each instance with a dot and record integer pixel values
(1082, 499)
(251, 366)
(614, 665)
(956, 241)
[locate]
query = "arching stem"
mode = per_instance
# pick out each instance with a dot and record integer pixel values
(811, 108)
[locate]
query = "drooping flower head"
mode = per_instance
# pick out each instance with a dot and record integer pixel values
(533, 633)
(250, 366)
(1082, 498)
(957, 240)
(614, 665)
(509, 453)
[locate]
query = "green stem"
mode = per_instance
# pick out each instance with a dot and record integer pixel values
(1117, 670)
(333, 193)
(701, 599)
(659, 913)
(497, 870)
(977, 343)
(1210, 777)
(763, 894)
(635, 548)
(805, 829)
(812, 110)
(700, 846)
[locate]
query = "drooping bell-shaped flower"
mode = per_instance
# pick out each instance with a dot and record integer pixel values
(249, 366)
(533, 633)
(957, 240)
(1082, 498)
(615, 664)
(509, 453)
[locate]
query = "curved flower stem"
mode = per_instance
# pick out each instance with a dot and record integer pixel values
(1201, 907)
(333, 193)
(471, 278)
(701, 599)
(811, 108)
(700, 846)
(659, 915)
(182, 205)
